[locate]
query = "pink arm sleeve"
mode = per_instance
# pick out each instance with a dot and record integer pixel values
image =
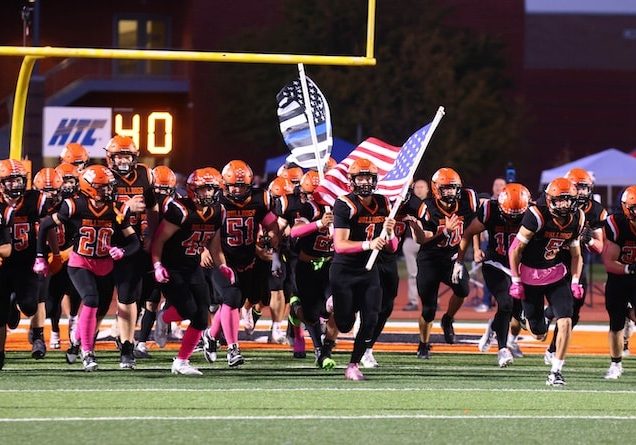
(269, 218)
(304, 230)
(349, 250)
(391, 245)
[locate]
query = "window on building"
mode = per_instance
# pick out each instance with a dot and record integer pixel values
(142, 33)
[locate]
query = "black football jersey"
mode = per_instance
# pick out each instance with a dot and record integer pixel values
(433, 217)
(22, 221)
(364, 223)
(319, 243)
(91, 229)
(240, 231)
(595, 214)
(550, 237)
(501, 231)
(139, 182)
(288, 207)
(619, 231)
(196, 230)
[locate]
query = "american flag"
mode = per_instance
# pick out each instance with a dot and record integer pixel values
(391, 185)
(394, 167)
(336, 183)
(294, 123)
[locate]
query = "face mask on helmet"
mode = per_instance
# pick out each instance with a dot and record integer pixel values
(163, 190)
(562, 205)
(364, 184)
(206, 195)
(105, 193)
(238, 192)
(122, 163)
(69, 187)
(449, 193)
(14, 186)
(584, 193)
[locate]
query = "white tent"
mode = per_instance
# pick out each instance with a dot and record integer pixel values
(610, 168)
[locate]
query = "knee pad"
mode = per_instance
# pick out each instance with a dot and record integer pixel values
(232, 297)
(428, 313)
(344, 324)
(29, 308)
(538, 327)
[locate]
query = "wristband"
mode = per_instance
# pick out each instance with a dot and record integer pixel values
(392, 236)
(319, 224)
(446, 232)
(366, 245)
(575, 280)
(516, 279)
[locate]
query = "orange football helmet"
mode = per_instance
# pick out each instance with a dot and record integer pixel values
(584, 183)
(75, 154)
(164, 181)
(294, 175)
(280, 186)
(49, 181)
(309, 182)
(331, 163)
(13, 178)
(628, 202)
(121, 154)
(70, 179)
(446, 185)
(238, 177)
(98, 183)
(204, 186)
(561, 197)
(366, 168)
(514, 200)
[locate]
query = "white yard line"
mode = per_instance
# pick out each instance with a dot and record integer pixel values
(311, 417)
(344, 390)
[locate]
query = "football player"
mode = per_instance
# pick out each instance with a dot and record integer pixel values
(538, 270)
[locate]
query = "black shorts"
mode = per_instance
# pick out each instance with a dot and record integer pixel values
(189, 293)
(313, 290)
(558, 295)
(354, 289)
(128, 275)
(430, 273)
(96, 291)
(26, 285)
(620, 290)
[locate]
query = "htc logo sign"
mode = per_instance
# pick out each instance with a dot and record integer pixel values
(76, 130)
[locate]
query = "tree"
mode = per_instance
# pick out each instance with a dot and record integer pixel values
(421, 64)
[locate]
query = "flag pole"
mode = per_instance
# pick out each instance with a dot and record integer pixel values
(312, 125)
(402, 195)
(310, 119)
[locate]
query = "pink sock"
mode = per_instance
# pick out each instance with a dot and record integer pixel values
(190, 339)
(230, 323)
(299, 339)
(171, 314)
(78, 333)
(87, 324)
(215, 329)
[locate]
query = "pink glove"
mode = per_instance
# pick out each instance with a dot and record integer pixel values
(227, 273)
(516, 291)
(116, 253)
(161, 274)
(577, 290)
(41, 266)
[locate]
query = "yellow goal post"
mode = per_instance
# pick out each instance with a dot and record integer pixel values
(32, 54)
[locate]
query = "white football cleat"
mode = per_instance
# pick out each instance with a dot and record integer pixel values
(614, 372)
(184, 367)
